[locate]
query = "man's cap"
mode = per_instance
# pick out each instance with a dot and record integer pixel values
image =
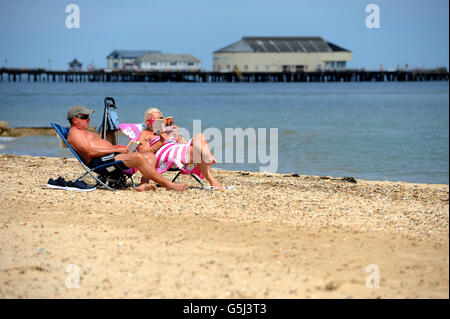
(77, 110)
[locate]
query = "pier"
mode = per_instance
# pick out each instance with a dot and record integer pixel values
(345, 75)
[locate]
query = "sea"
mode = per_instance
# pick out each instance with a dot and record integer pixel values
(395, 131)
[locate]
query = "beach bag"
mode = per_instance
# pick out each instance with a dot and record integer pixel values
(113, 121)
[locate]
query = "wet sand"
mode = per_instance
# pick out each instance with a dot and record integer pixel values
(272, 236)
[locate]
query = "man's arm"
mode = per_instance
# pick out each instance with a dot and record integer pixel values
(91, 145)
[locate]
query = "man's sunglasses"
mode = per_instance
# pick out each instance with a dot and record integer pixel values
(83, 117)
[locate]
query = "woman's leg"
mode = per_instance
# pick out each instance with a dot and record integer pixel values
(200, 151)
(200, 154)
(206, 171)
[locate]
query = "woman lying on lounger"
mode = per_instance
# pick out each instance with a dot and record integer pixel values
(171, 148)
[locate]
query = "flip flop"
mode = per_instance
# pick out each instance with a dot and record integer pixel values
(214, 188)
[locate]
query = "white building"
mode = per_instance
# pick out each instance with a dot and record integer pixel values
(168, 62)
(125, 59)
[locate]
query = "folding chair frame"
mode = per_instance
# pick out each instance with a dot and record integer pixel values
(178, 174)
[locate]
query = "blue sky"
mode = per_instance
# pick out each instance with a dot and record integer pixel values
(32, 32)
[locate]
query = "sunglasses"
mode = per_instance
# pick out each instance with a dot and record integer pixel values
(83, 117)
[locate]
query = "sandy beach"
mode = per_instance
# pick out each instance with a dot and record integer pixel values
(272, 236)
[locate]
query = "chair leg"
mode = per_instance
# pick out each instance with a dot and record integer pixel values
(99, 182)
(83, 175)
(173, 181)
(96, 178)
(195, 177)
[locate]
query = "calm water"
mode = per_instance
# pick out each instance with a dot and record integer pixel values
(375, 131)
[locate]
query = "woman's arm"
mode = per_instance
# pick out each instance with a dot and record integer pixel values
(179, 138)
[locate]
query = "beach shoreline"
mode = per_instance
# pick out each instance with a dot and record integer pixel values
(272, 236)
(6, 131)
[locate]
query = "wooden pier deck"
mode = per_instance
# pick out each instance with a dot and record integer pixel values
(42, 75)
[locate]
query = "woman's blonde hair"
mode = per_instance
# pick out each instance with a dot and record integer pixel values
(149, 112)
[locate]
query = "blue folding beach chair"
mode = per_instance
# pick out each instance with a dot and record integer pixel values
(115, 178)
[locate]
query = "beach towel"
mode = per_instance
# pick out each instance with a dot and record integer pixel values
(132, 130)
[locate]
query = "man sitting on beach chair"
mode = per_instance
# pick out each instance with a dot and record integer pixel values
(96, 151)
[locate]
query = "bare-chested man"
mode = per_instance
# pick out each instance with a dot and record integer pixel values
(96, 151)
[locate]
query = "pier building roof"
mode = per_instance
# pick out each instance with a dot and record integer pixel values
(281, 44)
(166, 57)
(131, 54)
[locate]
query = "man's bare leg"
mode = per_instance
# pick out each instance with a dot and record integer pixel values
(145, 187)
(145, 163)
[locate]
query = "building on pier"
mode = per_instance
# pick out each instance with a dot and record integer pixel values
(168, 62)
(280, 54)
(75, 65)
(126, 59)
